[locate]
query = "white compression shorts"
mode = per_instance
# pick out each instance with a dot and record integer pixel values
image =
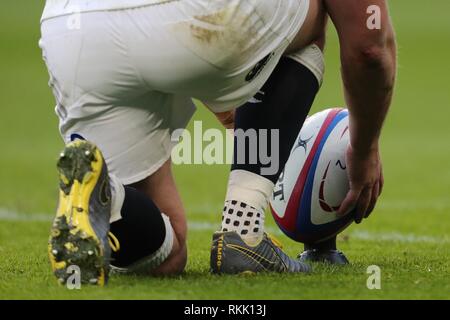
(123, 72)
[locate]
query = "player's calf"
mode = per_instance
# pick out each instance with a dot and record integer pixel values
(283, 105)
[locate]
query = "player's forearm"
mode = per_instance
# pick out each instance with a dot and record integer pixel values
(369, 78)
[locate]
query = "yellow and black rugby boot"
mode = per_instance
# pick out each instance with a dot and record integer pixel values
(79, 236)
(230, 254)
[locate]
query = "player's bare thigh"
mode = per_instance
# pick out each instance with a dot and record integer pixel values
(161, 188)
(313, 29)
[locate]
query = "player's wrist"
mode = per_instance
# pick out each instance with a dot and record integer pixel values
(364, 150)
(361, 143)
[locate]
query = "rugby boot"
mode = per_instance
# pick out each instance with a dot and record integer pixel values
(80, 238)
(230, 254)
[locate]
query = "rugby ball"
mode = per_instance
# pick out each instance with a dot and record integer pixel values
(314, 181)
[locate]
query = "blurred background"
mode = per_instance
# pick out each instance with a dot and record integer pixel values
(416, 139)
(415, 144)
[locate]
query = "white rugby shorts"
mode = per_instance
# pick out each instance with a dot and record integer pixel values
(123, 72)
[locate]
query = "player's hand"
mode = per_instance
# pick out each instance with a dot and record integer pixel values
(366, 182)
(226, 118)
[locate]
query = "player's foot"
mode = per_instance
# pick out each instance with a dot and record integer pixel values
(330, 256)
(79, 236)
(231, 255)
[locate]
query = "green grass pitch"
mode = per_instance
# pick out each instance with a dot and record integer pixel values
(407, 236)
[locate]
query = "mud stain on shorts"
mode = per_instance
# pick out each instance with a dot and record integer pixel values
(216, 29)
(225, 38)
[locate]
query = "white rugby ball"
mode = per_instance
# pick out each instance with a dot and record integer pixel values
(314, 181)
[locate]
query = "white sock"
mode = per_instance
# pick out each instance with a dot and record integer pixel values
(246, 201)
(118, 196)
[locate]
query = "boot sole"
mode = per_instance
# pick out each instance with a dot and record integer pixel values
(73, 243)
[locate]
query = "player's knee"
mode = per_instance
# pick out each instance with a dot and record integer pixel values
(312, 58)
